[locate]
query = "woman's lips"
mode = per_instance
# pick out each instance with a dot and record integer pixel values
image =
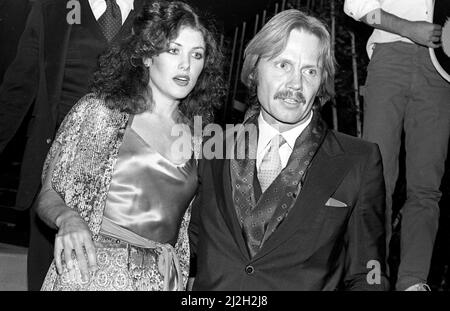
(181, 80)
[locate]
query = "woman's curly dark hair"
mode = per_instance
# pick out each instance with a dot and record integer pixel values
(122, 77)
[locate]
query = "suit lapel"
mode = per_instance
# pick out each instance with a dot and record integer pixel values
(222, 185)
(128, 23)
(324, 176)
(138, 4)
(56, 36)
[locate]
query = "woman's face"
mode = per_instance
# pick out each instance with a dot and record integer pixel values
(174, 73)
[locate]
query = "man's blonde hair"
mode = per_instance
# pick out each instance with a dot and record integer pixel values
(272, 39)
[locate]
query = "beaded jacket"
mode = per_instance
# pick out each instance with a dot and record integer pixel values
(84, 153)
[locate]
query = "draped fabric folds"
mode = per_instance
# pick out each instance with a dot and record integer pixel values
(84, 154)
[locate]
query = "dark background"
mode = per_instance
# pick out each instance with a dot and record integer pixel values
(228, 15)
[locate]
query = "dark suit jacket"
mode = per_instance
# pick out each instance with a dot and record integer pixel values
(13, 16)
(317, 247)
(34, 82)
(36, 76)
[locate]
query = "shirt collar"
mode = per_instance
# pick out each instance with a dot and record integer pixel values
(267, 132)
(125, 3)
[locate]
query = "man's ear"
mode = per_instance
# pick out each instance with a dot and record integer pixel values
(253, 76)
(250, 64)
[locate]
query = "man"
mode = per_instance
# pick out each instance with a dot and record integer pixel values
(13, 16)
(404, 91)
(307, 212)
(57, 56)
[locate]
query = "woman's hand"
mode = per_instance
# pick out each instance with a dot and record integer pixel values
(74, 235)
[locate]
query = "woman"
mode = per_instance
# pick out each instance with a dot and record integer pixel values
(113, 186)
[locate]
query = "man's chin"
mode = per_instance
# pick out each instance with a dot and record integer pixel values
(290, 119)
(285, 118)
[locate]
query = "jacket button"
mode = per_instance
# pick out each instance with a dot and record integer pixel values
(249, 269)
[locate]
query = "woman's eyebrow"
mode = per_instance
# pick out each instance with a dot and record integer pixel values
(195, 47)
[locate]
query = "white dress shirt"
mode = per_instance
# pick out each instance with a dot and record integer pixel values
(98, 7)
(412, 10)
(267, 132)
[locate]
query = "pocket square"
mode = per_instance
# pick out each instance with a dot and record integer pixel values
(335, 203)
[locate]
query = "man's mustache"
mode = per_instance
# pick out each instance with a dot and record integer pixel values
(298, 96)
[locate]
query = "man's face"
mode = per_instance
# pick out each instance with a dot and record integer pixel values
(288, 83)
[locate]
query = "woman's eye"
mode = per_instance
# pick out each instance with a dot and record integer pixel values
(173, 51)
(197, 55)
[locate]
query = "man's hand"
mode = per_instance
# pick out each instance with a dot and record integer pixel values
(421, 32)
(424, 33)
(74, 235)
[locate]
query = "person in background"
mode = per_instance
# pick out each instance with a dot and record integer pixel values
(404, 92)
(56, 59)
(13, 16)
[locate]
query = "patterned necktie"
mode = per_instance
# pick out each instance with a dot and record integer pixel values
(111, 20)
(271, 163)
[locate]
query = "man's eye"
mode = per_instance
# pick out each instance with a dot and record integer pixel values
(173, 51)
(197, 55)
(283, 65)
(311, 72)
